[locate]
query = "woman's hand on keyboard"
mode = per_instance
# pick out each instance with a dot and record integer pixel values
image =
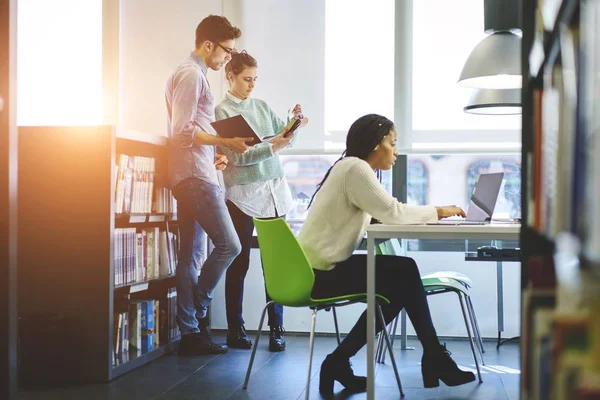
(450, 211)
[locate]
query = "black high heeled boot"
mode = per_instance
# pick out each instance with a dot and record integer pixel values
(437, 365)
(339, 369)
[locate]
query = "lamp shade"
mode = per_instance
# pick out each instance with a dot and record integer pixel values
(495, 63)
(494, 102)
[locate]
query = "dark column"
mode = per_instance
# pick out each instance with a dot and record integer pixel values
(8, 197)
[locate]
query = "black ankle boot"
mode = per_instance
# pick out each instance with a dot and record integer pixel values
(276, 340)
(437, 365)
(238, 339)
(339, 369)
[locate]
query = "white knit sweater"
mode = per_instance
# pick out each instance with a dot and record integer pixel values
(342, 209)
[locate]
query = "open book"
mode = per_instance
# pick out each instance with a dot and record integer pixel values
(236, 127)
(289, 128)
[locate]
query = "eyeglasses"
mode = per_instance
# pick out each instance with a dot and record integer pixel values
(226, 49)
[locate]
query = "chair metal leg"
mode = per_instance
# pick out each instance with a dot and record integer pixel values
(476, 336)
(335, 322)
(386, 335)
(462, 307)
(260, 325)
(310, 351)
(470, 304)
(394, 327)
(379, 347)
(380, 353)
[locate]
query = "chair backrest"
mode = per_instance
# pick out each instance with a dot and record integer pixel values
(289, 278)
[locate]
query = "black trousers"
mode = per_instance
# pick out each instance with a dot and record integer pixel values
(397, 279)
(236, 274)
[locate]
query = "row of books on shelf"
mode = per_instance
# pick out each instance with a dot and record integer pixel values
(561, 326)
(563, 196)
(556, 174)
(136, 189)
(147, 325)
(563, 361)
(143, 255)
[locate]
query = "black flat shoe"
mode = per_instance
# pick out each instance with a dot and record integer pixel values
(336, 369)
(239, 339)
(437, 365)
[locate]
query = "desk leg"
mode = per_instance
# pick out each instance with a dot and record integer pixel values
(370, 318)
(500, 296)
(403, 345)
(404, 245)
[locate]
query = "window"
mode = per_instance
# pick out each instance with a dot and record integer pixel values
(509, 199)
(417, 182)
(59, 62)
(303, 173)
(449, 179)
(353, 89)
(442, 41)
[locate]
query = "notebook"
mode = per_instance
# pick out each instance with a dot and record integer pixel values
(236, 127)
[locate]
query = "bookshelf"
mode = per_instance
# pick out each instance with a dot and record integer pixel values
(560, 347)
(67, 242)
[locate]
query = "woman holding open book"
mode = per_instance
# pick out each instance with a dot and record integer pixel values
(346, 199)
(255, 187)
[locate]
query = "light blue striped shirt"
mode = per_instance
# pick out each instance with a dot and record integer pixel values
(190, 109)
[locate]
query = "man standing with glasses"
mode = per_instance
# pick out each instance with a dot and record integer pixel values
(193, 165)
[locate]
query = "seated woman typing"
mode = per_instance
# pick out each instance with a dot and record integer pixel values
(344, 203)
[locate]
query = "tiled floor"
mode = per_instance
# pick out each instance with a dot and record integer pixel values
(281, 376)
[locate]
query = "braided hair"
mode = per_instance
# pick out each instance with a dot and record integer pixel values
(363, 136)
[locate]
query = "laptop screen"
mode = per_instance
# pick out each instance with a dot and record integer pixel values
(484, 196)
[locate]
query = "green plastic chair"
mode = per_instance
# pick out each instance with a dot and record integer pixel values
(289, 280)
(450, 282)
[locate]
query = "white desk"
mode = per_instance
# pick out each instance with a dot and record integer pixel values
(378, 233)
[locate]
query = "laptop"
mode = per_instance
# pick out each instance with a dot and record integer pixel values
(482, 203)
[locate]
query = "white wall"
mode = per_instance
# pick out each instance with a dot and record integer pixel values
(156, 36)
(445, 308)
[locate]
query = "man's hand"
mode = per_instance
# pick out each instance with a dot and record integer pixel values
(450, 211)
(279, 142)
(221, 162)
(238, 144)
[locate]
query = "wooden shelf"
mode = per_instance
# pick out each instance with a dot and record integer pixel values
(136, 360)
(127, 219)
(138, 136)
(135, 287)
(72, 234)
